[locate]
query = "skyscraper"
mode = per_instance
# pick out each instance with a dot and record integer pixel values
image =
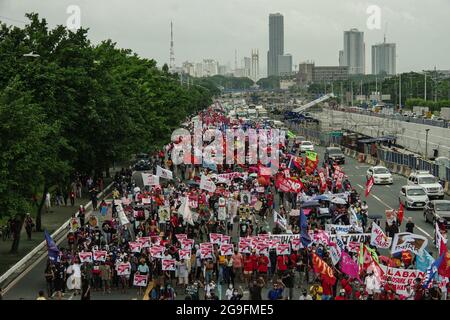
(247, 67)
(384, 58)
(255, 65)
(276, 43)
(354, 52)
(285, 64)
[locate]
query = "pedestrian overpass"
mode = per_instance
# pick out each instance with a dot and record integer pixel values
(313, 103)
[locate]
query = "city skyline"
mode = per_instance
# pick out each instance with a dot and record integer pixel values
(312, 30)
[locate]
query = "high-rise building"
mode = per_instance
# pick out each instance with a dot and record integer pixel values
(199, 69)
(223, 70)
(354, 52)
(188, 68)
(284, 64)
(210, 67)
(341, 58)
(255, 65)
(276, 43)
(305, 72)
(247, 67)
(384, 58)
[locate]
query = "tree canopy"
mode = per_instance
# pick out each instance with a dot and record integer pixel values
(78, 107)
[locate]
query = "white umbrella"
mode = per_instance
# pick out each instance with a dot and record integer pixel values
(338, 200)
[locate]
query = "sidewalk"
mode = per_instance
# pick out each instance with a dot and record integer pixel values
(50, 221)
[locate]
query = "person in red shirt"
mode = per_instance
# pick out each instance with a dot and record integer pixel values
(341, 295)
(254, 259)
(263, 267)
(282, 264)
(293, 260)
(248, 268)
(327, 293)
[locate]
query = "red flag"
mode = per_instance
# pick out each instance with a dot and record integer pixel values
(444, 268)
(324, 269)
(400, 213)
(369, 185)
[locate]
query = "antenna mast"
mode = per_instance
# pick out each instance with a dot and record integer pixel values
(172, 53)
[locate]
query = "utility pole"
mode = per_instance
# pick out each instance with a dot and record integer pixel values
(400, 91)
(426, 143)
(425, 92)
(435, 84)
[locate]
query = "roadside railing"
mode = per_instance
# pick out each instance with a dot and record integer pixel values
(40, 249)
(398, 162)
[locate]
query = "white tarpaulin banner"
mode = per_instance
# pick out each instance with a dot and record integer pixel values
(400, 278)
(185, 211)
(121, 214)
(278, 219)
(164, 173)
(378, 238)
(342, 229)
(410, 242)
(150, 179)
(207, 184)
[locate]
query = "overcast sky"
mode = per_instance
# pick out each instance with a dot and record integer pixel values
(215, 28)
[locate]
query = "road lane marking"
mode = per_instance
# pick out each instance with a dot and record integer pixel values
(424, 232)
(382, 202)
(388, 186)
(360, 186)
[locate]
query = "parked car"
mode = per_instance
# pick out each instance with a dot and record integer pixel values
(142, 165)
(335, 154)
(437, 209)
(380, 174)
(306, 146)
(429, 182)
(413, 197)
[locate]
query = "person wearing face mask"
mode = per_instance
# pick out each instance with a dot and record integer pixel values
(229, 292)
(237, 294)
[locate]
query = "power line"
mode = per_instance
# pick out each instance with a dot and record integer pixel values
(12, 19)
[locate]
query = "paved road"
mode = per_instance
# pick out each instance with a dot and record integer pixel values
(380, 199)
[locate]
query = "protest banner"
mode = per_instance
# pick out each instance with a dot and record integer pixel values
(164, 173)
(244, 247)
(140, 280)
(215, 238)
(321, 237)
(296, 244)
(283, 249)
(351, 237)
(144, 241)
(410, 242)
(391, 216)
(225, 239)
(207, 184)
(135, 247)
(283, 238)
(100, 255)
(157, 251)
(168, 264)
(85, 257)
(184, 254)
(193, 201)
(150, 179)
(164, 214)
(335, 253)
(124, 269)
(146, 201)
(401, 278)
(74, 224)
(187, 244)
(378, 238)
(342, 229)
(262, 248)
(206, 252)
(226, 249)
(181, 236)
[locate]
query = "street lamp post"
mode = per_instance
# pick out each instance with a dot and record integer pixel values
(426, 143)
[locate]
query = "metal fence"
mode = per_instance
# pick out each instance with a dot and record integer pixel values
(435, 123)
(410, 161)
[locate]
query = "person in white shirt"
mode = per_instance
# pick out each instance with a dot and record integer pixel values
(372, 284)
(229, 292)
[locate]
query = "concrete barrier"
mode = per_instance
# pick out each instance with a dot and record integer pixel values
(446, 188)
(59, 232)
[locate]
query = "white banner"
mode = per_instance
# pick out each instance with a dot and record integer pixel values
(207, 184)
(410, 242)
(378, 238)
(342, 229)
(121, 214)
(150, 179)
(164, 173)
(400, 278)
